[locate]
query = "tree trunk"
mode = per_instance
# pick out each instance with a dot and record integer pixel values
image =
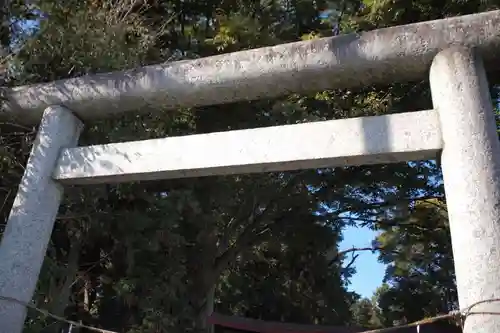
(62, 300)
(206, 310)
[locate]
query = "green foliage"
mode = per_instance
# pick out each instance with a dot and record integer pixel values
(102, 38)
(366, 314)
(146, 257)
(420, 271)
(283, 271)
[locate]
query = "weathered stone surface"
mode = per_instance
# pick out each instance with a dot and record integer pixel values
(355, 141)
(471, 171)
(396, 54)
(32, 217)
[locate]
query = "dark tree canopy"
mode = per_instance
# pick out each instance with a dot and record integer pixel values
(160, 256)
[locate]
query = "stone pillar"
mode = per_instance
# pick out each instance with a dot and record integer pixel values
(30, 223)
(471, 171)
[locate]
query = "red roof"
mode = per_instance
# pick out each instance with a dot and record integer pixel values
(261, 326)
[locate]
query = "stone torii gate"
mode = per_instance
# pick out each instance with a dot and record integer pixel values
(461, 127)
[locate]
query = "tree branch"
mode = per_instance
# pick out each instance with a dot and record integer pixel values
(387, 223)
(353, 259)
(252, 229)
(373, 205)
(439, 206)
(340, 254)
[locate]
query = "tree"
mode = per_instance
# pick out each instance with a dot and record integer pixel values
(420, 271)
(154, 256)
(140, 244)
(366, 314)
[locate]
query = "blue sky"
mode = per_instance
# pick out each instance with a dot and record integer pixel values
(369, 271)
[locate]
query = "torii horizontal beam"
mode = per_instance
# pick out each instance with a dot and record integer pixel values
(397, 54)
(355, 141)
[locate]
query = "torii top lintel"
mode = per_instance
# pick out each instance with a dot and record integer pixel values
(396, 54)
